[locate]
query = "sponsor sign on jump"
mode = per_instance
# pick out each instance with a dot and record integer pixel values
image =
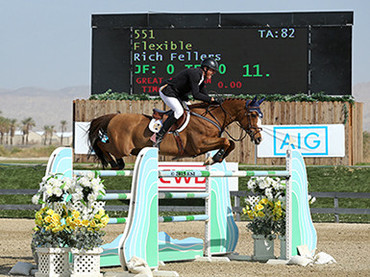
(190, 183)
(311, 140)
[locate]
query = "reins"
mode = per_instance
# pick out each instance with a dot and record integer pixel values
(222, 127)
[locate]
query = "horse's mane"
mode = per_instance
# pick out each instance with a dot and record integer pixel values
(204, 105)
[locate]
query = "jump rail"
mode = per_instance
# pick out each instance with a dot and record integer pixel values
(140, 237)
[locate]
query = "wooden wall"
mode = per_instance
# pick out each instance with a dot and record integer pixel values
(275, 113)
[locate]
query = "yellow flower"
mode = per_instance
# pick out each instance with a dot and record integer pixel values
(250, 215)
(105, 220)
(56, 217)
(98, 216)
(258, 207)
(77, 222)
(50, 212)
(75, 214)
(263, 201)
(48, 219)
(85, 223)
(99, 226)
(93, 223)
(261, 214)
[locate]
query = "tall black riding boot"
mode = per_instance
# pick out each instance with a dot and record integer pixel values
(166, 126)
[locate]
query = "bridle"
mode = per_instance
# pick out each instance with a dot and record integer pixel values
(251, 130)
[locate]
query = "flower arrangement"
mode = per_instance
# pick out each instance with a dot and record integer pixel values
(87, 189)
(79, 220)
(266, 209)
(50, 230)
(52, 189)
(87, 228)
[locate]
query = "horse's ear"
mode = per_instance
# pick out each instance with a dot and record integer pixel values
(260, 101)
(253, 101)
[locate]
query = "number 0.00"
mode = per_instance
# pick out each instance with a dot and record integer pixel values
(232, 84)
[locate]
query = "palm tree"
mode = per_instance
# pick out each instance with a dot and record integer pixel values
(28, 123)
(63, 125)
(51, 132)
(46, 132)
(13, 125)
(3, 128)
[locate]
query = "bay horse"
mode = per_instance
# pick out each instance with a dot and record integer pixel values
(121, 135)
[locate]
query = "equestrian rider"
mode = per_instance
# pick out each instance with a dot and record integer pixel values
(174, 92)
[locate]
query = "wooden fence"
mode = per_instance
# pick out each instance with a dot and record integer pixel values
(275, 113)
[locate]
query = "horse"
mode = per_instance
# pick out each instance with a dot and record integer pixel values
(114, 136)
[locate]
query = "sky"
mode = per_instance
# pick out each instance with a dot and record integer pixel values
(47, 43)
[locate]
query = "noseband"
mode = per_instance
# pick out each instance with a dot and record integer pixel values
(251, 130)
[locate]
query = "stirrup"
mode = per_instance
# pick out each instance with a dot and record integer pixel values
(157, 141)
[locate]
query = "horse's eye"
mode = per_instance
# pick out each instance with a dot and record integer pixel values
(254, 115)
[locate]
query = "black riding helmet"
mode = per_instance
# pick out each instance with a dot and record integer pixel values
(210, 63)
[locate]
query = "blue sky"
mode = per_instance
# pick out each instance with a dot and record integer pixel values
(47, 43)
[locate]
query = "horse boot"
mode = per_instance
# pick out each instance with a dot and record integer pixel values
(165, 127)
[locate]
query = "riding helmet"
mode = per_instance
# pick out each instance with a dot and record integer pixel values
(210, 63)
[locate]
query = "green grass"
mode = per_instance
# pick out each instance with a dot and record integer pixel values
(320, 178)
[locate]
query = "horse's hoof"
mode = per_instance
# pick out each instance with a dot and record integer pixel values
(209, 161)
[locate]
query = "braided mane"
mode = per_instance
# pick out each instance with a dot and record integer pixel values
(204, 105)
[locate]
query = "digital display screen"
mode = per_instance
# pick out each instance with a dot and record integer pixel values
(251, 60)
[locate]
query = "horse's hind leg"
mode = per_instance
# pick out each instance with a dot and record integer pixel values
(109, 158)
(120, 163)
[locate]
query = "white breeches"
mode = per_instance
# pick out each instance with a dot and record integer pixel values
(174, 104)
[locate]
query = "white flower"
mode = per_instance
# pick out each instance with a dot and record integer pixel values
(67, 184)
(311, 199)
(35, 199)
(251, 184)
(92, 197)
(49, 190)
(90, 174)
(76, 197)
(57, 191)
(268, 193)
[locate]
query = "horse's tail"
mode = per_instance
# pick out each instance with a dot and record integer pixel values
(97, 131)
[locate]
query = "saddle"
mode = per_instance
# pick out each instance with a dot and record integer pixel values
(160, 116)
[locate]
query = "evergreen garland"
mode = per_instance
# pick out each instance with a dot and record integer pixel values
(315, 97)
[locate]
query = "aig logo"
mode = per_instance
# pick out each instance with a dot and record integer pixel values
(310, 140)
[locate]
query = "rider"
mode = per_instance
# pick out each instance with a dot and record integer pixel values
(175, 91)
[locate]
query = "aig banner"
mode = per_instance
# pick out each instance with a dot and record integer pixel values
(311, 140)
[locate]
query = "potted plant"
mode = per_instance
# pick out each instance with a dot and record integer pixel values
(87, 218)
(266, 210)
(51, 239)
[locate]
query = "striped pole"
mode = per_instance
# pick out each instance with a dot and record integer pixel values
(181, 195)
(227, 173)
(198, 217)
(104, 173)
(115, 196)
(117, 220)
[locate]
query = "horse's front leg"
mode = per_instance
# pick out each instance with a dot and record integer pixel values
(224, 145)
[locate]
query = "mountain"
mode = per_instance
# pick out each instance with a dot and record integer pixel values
(46, 107)
(49, 107)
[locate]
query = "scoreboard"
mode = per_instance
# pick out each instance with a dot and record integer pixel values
(302, 53)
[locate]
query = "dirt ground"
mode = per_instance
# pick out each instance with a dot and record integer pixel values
(349, 244)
